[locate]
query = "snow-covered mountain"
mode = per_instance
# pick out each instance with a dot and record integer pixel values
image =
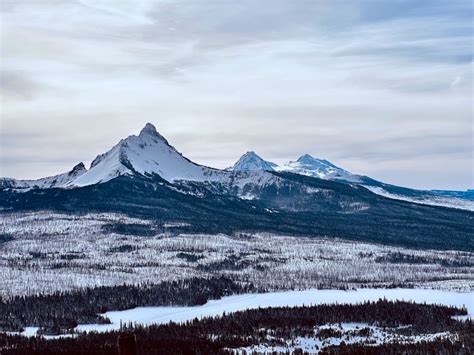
(250, 161)
(149, 153)
(323, 169)
(320, 168)
(305, 165)
(145, 176)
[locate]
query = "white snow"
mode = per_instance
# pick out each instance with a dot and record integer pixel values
(259, 178)
(464, 317)
(61, 180)
(147, 153)
(320, 168)
(247, 196)
(251, 161)
(32, 331)
(451, 202)
(305, 165)
(162, 315)
(106, 169)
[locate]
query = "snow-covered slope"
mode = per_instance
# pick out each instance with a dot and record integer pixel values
(250, 161)
(61, 180)
(146, 154)
(426, 199)
(320, 168)
(305, 165)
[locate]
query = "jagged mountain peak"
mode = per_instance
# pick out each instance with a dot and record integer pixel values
(150, 131)
(251, 161)
(78, 168)
(149, 153)
(251, 153)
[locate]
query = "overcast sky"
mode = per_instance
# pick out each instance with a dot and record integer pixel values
(381, 88)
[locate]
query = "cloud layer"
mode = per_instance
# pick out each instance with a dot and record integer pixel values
(382, 88)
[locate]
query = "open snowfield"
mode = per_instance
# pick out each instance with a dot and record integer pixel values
(45, 252)
(162, 315)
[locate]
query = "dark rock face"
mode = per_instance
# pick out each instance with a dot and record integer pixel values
(77, 169)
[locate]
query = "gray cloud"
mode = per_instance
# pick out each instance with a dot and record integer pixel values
(18, 86)
(380, 87)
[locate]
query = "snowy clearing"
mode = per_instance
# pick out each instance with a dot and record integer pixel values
(162, 315)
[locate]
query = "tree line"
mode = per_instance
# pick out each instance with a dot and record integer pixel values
(62, 311)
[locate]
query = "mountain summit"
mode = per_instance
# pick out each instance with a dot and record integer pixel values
(304, 165)
(250, 161)
(320, 168)
(149, 153)
(150, 131)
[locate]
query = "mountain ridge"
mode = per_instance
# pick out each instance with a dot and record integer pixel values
(144, 176)
(150, 154)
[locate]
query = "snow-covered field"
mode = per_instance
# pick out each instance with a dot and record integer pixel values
(51, 252)
(229, 304)
(163, 315)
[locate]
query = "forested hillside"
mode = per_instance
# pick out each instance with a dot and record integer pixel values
(334, 210)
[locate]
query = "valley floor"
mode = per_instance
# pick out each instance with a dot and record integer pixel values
(87, 257)
(46, 252)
